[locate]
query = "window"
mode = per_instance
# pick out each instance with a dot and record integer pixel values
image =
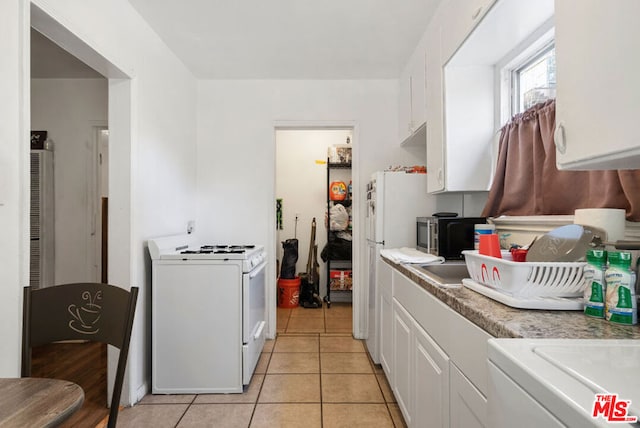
(535, 80)
(527, 74)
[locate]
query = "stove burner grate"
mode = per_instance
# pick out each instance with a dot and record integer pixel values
(220, 249)
(227, 247)
(213, 247)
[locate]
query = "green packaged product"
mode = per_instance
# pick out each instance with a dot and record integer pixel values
(621, 306)
(594, 292)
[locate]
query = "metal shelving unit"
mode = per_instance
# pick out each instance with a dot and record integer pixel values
(341, 264)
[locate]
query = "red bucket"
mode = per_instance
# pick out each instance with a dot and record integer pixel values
(289, 292)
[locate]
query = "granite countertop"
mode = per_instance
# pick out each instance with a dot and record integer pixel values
(503, 321)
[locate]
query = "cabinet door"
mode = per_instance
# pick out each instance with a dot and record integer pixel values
(468, 407)
(418, 105)
(384, 314)
(434, 105)
(404, 105)
(411, 96)
(597, 106)
(431, 381)
(402, 370)
(386, 336)
(459, 19)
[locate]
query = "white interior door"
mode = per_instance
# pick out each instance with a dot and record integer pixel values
(98, 198)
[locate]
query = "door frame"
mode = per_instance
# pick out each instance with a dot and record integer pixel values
(359, 290)
(120, 119)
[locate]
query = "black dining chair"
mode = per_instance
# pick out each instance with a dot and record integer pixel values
(81, 311)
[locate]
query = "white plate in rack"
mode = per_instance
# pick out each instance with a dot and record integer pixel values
(546, 303)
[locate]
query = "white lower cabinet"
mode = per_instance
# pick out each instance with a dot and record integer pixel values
(431, 382)
(386, 320)
(421, 356)
(402, 367)
(421, 373)
(468, 406)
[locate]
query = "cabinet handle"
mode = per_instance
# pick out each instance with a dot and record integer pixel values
(476, 13)
(440, 176)
(560, 138)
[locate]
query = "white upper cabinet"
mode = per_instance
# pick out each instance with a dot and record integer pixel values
(404, 106)
(598, 89)
(411, 97)
(466, 40)
(435, 112)
(459, 18)
(418, 87)
(455, 161)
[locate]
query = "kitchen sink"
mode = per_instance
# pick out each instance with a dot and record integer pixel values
(445, 274)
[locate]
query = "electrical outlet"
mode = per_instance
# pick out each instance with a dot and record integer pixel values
(191, 226)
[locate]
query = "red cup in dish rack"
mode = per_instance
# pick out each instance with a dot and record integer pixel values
(490, 245)
(519, 254)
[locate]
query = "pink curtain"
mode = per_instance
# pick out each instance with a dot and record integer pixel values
(527, 181)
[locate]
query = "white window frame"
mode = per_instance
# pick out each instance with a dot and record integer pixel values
(515, 81)
(516, 59)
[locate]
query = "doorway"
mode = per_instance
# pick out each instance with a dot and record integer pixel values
(117, 111)
(69, 102)
(100, 203)
(302, 189)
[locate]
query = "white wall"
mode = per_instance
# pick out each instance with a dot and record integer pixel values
(152, 176)
(302, 185)
(14, 179)
(69, 109)
(236, 148)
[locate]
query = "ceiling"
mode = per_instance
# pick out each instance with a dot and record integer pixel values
(278, 39)
(290, 39)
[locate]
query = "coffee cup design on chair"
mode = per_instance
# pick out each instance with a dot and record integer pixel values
(87, 315)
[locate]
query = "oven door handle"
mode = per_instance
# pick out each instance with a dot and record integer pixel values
(258, 332)
(257, 270)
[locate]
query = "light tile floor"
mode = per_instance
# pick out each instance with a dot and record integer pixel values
(314, 374)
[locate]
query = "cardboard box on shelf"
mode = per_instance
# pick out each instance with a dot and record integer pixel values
(340, 154)
(340, 279)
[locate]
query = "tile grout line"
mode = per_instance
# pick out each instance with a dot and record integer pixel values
(186, 410)
(320, 378)
(255, 404)
(386, 403)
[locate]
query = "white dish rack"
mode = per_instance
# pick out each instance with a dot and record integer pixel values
(526, 284)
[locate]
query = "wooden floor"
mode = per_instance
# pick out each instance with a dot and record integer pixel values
(81, 363)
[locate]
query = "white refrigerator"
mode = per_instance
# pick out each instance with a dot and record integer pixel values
(394, 200)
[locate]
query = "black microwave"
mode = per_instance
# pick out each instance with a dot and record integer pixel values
(446, 235)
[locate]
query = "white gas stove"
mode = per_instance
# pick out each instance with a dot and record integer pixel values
(188, 247)
(208, 312)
